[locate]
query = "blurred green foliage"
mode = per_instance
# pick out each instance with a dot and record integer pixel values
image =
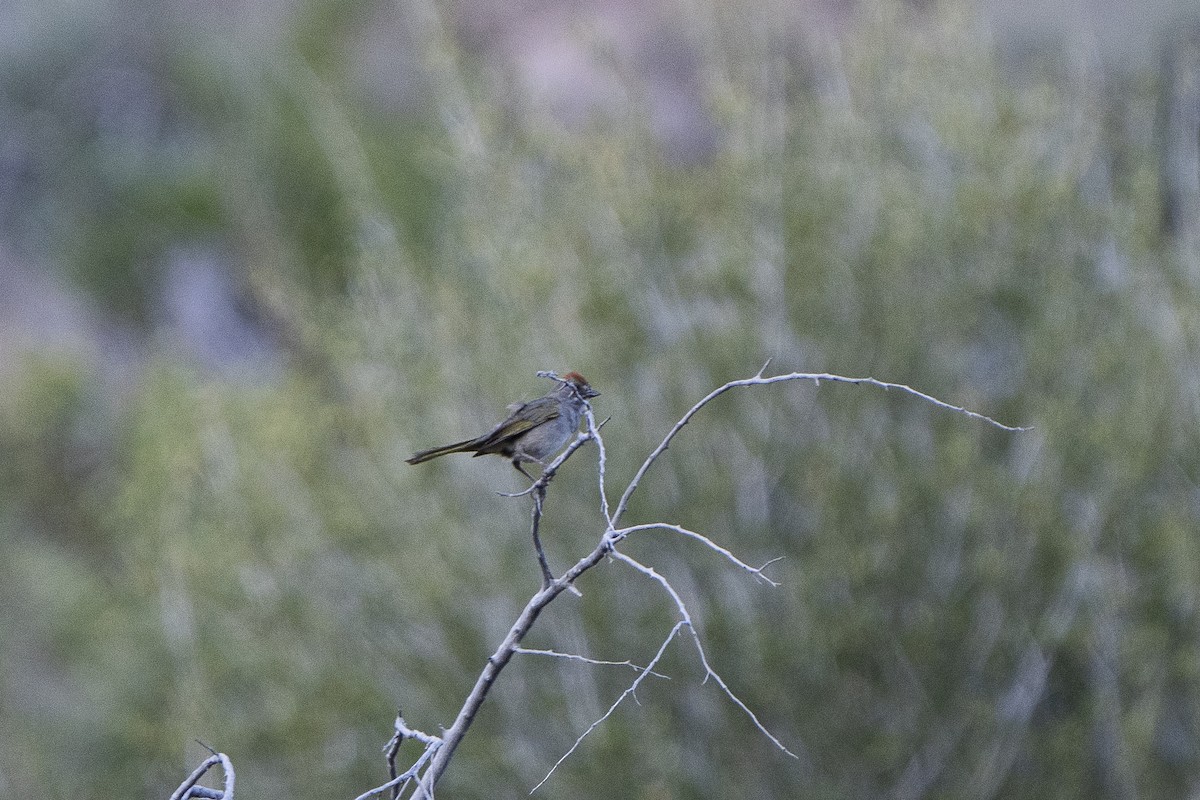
(239, 555)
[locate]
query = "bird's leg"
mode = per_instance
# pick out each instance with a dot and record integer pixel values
(516, 462)
(539, 496)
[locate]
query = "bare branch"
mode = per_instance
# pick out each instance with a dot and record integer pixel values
(398, 782)
(758, 380)
(403, 731)
(390, 751)
(629, 691)
(594, 431)
(574, 657)
(188, 787)
(757, 572)
(205, 793)
(817, 378)
(412, 773)
(709, 671)
(491, 671)
(539, 497)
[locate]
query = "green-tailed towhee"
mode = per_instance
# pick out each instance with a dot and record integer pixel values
(534, 431)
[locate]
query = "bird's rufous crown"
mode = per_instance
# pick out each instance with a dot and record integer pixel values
(575, 377)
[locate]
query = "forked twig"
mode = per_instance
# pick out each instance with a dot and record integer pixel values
(623, 533)
(629, 691)
(709, 671)
(189, 788)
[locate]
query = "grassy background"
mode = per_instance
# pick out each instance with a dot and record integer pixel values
(258, 255)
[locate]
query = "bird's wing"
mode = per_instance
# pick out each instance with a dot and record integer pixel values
(523, 418)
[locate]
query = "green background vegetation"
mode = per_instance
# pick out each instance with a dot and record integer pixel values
(231, 549)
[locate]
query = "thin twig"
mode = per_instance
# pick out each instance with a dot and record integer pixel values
(709, 671)
(539, 497)
(759, 380)
(629, 691)
(390, 752)
(402, 731)
(757, 572)
(402, 780)
(602, 463)
(574, 657)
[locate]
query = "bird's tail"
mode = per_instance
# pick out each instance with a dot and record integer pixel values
(458, 447)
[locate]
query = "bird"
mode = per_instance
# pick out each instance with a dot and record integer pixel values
(532, 432)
